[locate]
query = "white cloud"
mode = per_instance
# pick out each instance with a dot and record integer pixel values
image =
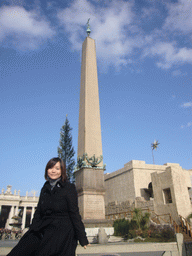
(180, 16)
(74, 18)
(118, 34)
(28, 28)
(178, 72)
(167, 46)
(110, 27)
(169, 54)
(187, 105)
(116, 26)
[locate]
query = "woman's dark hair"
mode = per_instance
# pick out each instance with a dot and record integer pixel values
(52, 162)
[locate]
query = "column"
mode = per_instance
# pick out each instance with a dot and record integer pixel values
(16, 210)
(11, 213)
(24, 217)
(32, 213)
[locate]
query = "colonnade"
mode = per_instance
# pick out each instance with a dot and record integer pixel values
(14, 211)
(13, 205)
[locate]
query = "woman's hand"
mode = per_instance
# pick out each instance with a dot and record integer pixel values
(85, 246)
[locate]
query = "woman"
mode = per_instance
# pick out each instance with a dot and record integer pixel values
(56, 225)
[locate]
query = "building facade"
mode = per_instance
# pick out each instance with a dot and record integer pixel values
(12, 204)
(162, 188)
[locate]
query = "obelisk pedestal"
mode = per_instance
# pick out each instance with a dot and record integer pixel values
(91, 191)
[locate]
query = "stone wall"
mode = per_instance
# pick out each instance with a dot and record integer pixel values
(128, 206)
(119, 186)
(129, 187)
(130, 182)
(171, 193)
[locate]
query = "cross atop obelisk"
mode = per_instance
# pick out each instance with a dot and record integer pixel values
(89, 174)
(88, 27)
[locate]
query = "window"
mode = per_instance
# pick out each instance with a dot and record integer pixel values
(167, 196)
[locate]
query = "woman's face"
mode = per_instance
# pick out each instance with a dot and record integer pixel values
(55, 172)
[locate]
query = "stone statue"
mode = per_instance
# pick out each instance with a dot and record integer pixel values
(94, 161)
(8, 191)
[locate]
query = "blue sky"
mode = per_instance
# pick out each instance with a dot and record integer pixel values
(144, 59)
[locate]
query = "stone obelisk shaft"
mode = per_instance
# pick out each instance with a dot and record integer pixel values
(89, 137)
(89, 176)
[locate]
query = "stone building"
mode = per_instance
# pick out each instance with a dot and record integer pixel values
(16, 205)
(163, 189)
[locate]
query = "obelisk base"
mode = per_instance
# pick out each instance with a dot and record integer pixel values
(91, 192)
(98, 223)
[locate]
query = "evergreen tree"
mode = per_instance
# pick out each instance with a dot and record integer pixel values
(66, 151)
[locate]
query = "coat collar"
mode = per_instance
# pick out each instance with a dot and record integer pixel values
(60, 182)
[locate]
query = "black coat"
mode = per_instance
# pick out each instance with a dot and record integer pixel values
(56, 224)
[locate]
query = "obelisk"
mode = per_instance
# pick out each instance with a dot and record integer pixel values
(89, 174)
